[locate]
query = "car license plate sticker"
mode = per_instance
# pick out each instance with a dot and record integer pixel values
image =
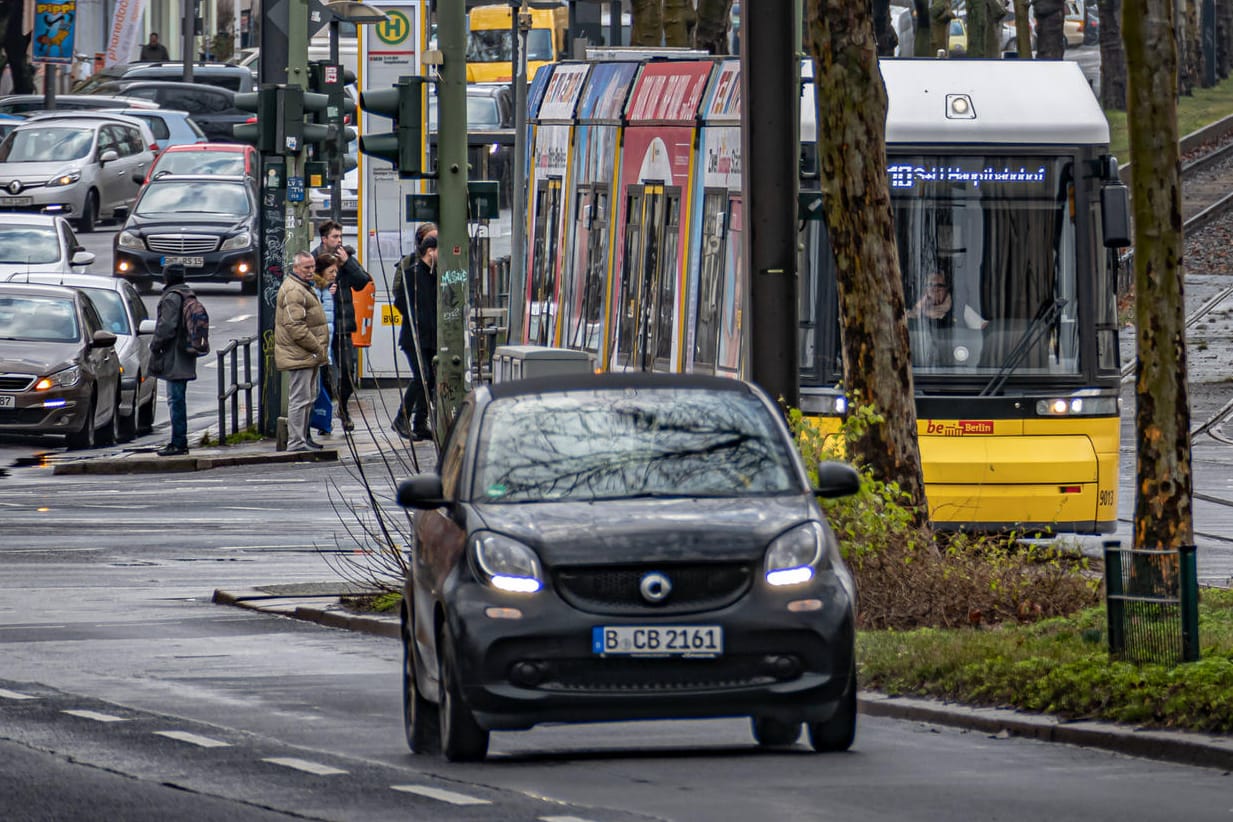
(16, 201)
(350, 204)
(658, 640)
(8, 401)
(187, 262)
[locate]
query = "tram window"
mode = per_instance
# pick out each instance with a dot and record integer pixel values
(710, 275)
(627, 308)
(574, 284)
(666, 273)
(1108, 355)
(543, 279)
(597, 267)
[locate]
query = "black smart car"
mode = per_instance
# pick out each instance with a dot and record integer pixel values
(206, 224)
(614, 547)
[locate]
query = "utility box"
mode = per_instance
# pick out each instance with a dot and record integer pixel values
(520, 362)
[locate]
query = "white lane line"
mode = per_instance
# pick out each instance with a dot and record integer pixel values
(443, 796)
(564, 819)
(13, 694)
(193, 739)
(303, 765)
(95, 715)
(239, 318)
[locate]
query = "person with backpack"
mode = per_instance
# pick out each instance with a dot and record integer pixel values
(171, 357)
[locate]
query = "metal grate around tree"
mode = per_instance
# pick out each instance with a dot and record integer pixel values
(1152, 604)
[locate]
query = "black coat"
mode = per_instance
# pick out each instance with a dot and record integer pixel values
(169, 354)
(419, 293)
(351, 277)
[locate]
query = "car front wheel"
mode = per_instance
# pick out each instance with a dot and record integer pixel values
(775, 733)
(838, 732)
(462, 739)
(419, 715)
(84, 438)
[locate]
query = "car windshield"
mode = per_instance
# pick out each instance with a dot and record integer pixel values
(32, 317)
(200, 162)
(194, 197)
(110, 307)
(46, 145)
(628, 443)
(30, 244)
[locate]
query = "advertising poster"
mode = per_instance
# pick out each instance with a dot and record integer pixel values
(54, 25)
(125, 31)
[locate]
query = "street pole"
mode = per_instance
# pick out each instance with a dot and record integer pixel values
(336, 183)
(453, 280)
(187, 27)
(518, 220)
(298, 234)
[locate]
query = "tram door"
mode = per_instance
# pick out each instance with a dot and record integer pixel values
(541, 328)
(710, 281)
(583, 305)
(645, 309)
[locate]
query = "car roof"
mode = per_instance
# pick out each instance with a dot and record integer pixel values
(231, 147)
(28, 218)
(69, 280)
(177, 84)
(203, 178)
(588, 381)
(36, 290)
(79, 98)
(102, 114)
(150, 112)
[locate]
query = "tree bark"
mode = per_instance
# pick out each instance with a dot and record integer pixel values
(1194, 45)
(940, 15)
(856, 197)
(678, 23)
(1023, 29)
(1185, 80)
(711, 32)
(1163, 510)
(646, 23)
(984, 28)
(920, 46)
(1050, 24)
(1223, 31)
(1112, 57)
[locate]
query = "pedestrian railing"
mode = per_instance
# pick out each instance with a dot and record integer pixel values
(1152, 603)
(229, 368)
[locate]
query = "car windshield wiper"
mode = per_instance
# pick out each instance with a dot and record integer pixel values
(1045, 316)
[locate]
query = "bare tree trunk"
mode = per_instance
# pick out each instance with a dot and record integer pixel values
(984, 28)
(711, 33)
(1112, 56)
(1163, 510)
(940, 15)
(678, 23)
(1194, 45)
(1185, 81)
(1050, 22)
(1224, 30)
(920, 46)
(647, 23)
(1023, 29)
(856, 193)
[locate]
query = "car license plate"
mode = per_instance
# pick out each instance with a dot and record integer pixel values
(187, 262)
(350, 204)
(657, 640)
(16, 201)
(8, 401)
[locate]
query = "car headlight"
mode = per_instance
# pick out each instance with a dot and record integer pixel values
(65, 179)
(127, 239)
(792, 557)
(61, 379)
(243, 240)
(507, 564)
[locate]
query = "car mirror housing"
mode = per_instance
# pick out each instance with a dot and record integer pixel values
(109, 155)
(102, 339)
(146, 327)
(836, 479)
(82, 258)
(422, 491)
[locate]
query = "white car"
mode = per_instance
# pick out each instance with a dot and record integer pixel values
(37, 243)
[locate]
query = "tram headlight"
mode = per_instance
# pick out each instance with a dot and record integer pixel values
(1078, 407)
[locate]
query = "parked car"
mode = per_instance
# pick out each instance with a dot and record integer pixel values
(207, 224)
(23, 104)
(81, 166)
(212, 108)
(122, 311)
(223, 75)
(1075, 26)
(170, 128)
(218, 159)
(624, 546)
(38, 243)
(8, 122)
(59, 370)
(489, 107)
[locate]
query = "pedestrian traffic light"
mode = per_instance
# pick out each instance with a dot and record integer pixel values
(259, 131)
(404, 145)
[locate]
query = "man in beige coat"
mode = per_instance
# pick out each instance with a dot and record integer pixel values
(301, 346)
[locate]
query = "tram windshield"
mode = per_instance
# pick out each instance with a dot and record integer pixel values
(987, 248)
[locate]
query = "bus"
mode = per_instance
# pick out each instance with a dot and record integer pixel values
(1007, 209)
(490, 41)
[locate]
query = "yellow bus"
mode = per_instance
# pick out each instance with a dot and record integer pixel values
(490, 42)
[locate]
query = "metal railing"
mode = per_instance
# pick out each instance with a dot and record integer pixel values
(1152, 603)
(230, 354)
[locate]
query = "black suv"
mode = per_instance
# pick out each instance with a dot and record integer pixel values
(224, 75)
(211, 107)
(207, 224)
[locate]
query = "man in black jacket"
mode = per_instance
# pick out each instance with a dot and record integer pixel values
(170, 358)
(415, 298)
(351, 277)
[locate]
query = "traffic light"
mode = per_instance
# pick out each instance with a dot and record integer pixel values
(329, 79)
(404, 145)
(260, 131)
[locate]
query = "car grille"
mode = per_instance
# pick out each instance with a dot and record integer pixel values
(15, 382)
(616, 589)
(625, 676)
(182, 243)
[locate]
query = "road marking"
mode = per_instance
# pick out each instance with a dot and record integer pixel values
(13, 694)
(303, 765)
(564, 819)
(239, 318)
(443, 796)
(193, 739)
(95, 715)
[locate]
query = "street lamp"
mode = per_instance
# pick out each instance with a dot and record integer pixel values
(359, 13)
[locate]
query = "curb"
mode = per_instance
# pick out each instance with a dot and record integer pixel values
(1182, 747)
(143, 464)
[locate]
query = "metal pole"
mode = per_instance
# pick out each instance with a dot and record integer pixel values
(335, 184)
(518, 221)
(49, 86)
(187, 26)
(453, 279)
(614, 24)
(770, 137)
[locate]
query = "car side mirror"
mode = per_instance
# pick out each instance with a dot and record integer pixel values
(836, 479)
(108, 155)
(422, 491)
(146, 327)
(82, 257)
(102, 339)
